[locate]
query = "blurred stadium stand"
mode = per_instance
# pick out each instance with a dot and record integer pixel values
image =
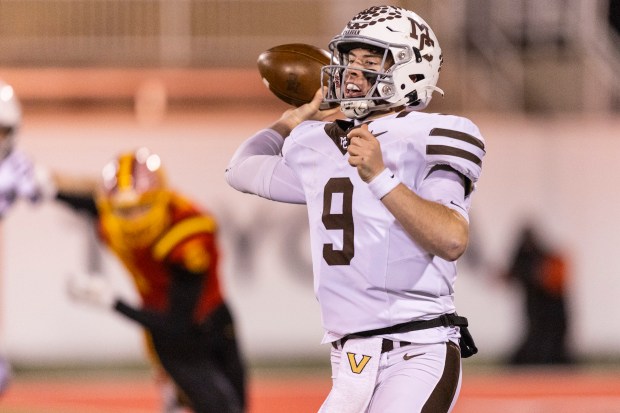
(506, 55)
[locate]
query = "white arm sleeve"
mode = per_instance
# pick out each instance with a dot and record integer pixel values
(257, 167)
(446, 187)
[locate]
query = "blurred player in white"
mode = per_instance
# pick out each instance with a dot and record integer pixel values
(17, 175)
(388, 193)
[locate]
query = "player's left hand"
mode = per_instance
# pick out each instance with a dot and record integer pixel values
(365, 153)
(91, 289)
(44, 182)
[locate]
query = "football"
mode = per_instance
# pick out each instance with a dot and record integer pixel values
(292, 72)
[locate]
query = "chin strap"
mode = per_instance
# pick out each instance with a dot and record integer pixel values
(422, 103)
(434, 89)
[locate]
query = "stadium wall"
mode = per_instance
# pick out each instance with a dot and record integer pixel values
(559, 171)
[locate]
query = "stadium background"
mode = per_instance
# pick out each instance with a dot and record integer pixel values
(100, 76)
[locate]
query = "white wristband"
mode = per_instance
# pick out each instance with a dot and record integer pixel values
(382, 184)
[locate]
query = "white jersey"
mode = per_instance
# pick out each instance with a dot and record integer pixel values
(368, 273)
(17, 180)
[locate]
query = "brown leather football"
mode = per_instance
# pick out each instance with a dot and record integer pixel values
(293, 71)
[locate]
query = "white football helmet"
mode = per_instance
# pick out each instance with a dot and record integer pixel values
(405, 39)
(10, 118)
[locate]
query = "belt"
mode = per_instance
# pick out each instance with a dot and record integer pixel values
(386, 345)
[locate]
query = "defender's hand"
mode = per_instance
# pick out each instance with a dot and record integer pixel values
(91, 289)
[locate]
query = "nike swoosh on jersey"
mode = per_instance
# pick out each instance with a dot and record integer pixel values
(379, 133)
(457, 205)
(409, 357)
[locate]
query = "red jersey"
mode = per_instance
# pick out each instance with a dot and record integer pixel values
(189, 242)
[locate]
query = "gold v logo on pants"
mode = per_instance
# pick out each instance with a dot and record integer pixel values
(356, 367)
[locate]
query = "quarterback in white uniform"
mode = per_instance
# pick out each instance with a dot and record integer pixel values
(388, 193)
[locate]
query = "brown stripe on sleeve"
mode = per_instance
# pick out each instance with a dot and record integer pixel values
(454, 134)
(452, 151)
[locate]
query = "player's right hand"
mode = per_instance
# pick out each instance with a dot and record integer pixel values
(91, 289)
(309, 111)
(316, 109)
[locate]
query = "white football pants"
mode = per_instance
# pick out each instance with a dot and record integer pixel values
(417, 378)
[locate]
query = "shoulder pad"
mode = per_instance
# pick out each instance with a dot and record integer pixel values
(181, 231)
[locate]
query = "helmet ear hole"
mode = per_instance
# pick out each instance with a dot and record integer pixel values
(417, 77)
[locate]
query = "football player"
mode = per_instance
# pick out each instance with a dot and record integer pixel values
(169, 247)
(17, 172)
(17, 176)
(388, 193)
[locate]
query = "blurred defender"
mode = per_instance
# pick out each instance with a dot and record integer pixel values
(388, 193)
(169, 247)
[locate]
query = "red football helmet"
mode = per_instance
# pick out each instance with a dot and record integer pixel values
(134, 195)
